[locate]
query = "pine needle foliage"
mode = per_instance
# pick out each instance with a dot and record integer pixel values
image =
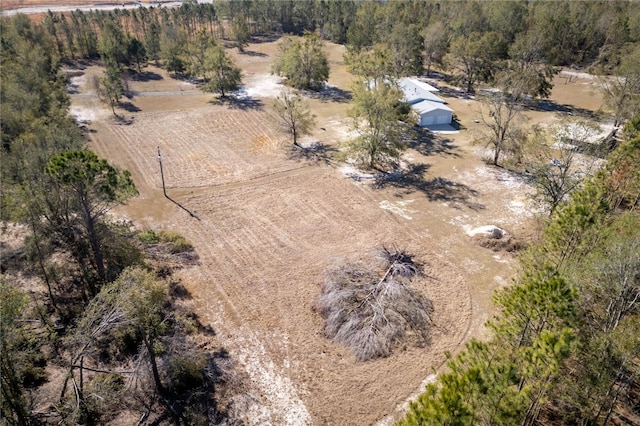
(370, 306)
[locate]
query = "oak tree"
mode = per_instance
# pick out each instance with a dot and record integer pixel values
(293, 115)
(435, 44)
(475, 57)
(220, 72)
(379, 142)
(303, 62)
(622, 89)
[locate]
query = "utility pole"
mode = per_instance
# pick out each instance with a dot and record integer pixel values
(164, 189)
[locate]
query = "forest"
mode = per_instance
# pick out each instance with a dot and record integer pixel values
(96, 300)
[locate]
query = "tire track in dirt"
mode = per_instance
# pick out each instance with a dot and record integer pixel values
(200, 147)
(273, 399)
(280, 405)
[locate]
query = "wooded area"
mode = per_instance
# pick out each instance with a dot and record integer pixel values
(564, 349)
(105, 310)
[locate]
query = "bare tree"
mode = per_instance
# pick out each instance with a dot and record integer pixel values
(500, 118)
(293, 115)
(622, 90)
(369, 305)
(435, 44)
(559, 159)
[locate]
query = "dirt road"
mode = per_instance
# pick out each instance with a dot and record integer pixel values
(57, 8)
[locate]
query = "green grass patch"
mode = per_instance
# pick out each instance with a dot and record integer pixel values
(178, 243)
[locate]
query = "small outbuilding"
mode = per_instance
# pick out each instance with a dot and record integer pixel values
(430, 109)
(430, 113)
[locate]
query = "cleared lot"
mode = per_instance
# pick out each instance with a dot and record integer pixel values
(266, 224)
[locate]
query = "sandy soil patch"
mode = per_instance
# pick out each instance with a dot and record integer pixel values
(485, 229)
(260, 86)
(495, 181)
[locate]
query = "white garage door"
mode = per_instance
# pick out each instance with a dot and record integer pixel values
(435, 117)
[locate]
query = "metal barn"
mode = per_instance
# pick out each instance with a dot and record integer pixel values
(430, 108)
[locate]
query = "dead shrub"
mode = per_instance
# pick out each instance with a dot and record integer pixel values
(507, 244)
(369, 305)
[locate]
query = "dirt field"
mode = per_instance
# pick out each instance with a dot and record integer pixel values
(37, 9)
(17, 4)
(267, 223)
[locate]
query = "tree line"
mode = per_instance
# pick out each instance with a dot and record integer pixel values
(86, 304)
(470, 37)
(514, 45)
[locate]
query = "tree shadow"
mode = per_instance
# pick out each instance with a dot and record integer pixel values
(193, 372)
(128, 106)
(74, 66)
(181, 76)
(253, 53)
(317, 152)
(456, 124)
(145, 76)
(72, 89)
(178, 291)
(243, 103)
(332, 94)
(121, 120)
(454, 92)
(547, 105)
(436, 189)
(265, 38)
(428, 143)
(202, 328)
(437, 75)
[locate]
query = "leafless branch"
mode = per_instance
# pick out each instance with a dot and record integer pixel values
(370, 306)
(97, 370)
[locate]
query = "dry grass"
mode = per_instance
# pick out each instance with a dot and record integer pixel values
(508, 244)
(370, 314)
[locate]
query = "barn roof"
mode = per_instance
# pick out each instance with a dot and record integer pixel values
(418, 83)
(416, 91)
(428, 106)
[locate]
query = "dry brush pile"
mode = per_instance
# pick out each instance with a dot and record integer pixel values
(370, 306)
